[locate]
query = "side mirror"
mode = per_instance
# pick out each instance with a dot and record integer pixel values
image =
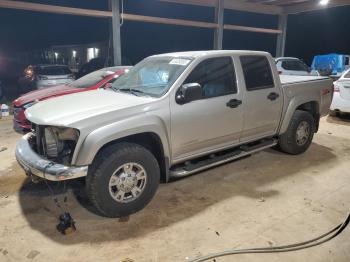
(188, 92)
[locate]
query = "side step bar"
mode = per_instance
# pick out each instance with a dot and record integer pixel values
(220, 158)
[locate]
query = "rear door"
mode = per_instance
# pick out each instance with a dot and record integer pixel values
(262, 99)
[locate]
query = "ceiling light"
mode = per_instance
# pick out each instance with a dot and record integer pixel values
(324, 2)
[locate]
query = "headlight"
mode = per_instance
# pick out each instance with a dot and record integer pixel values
(56, 141)
(29, 104)
(53, 145)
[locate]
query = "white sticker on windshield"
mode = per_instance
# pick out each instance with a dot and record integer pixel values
(179, 61)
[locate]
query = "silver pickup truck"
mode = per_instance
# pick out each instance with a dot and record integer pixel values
(172, 115)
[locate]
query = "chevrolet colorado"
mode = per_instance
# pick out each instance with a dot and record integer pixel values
(172, 115)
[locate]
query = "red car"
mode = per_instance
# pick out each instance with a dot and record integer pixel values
(92, 81)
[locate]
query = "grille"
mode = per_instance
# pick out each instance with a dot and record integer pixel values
(38, 139)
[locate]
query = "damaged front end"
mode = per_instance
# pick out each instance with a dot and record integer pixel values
(47, 152)
(55, 143)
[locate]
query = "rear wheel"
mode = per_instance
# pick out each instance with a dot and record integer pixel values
(299, 134)
(122, 180)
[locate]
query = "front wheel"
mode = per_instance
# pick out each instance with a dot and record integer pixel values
(122, 179)
(299, 134)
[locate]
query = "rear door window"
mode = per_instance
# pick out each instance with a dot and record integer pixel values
(216, 76)
(53, 70)
(257, 72)
(294, 65)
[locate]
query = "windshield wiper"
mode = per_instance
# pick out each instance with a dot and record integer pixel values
(134, 91)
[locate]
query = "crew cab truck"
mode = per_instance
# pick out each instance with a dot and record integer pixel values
(172, 115)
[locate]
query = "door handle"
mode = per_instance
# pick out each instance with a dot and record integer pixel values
(273, 96)
(233, 103)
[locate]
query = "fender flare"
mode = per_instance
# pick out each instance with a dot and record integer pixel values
(293, 105)
(85, 154)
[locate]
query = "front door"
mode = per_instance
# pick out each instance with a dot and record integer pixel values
(213, 122)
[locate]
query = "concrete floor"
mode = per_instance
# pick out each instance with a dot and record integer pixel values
(268, 199)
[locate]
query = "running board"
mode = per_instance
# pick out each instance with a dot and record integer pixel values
(212, 160)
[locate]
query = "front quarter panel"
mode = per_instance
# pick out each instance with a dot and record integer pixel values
(143, 123)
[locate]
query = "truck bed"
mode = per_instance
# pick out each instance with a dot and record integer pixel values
(290, 79)
(318, 87)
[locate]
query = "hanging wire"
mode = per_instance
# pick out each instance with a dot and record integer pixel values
(279, 249)
(52, 192)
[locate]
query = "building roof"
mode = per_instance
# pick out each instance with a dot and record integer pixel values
(268, 6)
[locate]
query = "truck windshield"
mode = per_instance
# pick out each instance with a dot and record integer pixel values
(153, 76)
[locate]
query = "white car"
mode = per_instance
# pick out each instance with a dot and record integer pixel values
(43, 76)
(293, 66)
(341, 97)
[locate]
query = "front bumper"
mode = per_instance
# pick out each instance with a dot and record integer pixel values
(20, 123)
(21, 127)
(33, 164)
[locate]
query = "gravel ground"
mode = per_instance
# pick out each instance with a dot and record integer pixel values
(267, 199)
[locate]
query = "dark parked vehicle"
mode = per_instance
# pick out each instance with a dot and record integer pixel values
(91, 66)
(43, 76)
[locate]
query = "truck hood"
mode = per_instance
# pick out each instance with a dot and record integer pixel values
(45, 93)
(91, 105)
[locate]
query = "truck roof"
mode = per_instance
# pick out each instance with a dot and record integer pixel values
(195, 54)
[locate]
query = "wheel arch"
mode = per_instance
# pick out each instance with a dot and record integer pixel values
(312, 107)
(149, 132)
(152, 142)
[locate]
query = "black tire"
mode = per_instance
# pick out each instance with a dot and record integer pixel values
(102, 169)
(333, 113)
(288, 141)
